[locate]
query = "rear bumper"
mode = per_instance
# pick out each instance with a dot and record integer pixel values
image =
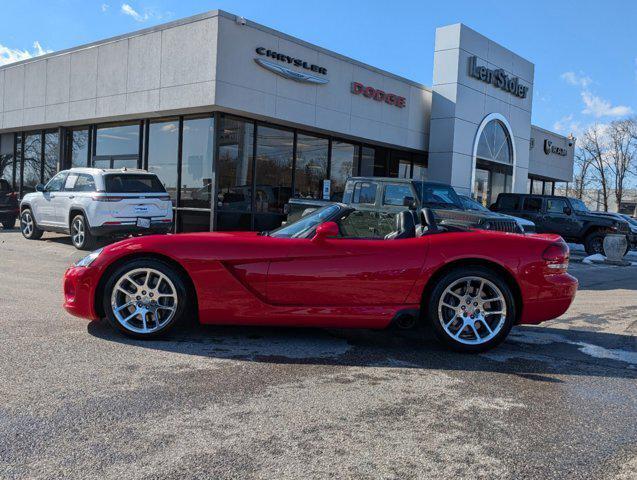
(130, 228)
(79, 286)
(555, 295)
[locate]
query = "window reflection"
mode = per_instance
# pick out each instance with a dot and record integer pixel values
(234, 168)
(118, 140)
(311, 166)
(79, 148)
(6, 158)
(163, 143)
(344, 165)
(51, 155)
(32, 153)
(196, 162)
(273, 175)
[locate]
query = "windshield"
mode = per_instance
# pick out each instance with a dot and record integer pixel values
(578, 205)
(471, 204)
(305, 224)
(441, 196)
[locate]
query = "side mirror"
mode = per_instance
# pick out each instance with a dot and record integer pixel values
(567, 210)
(409, 202)
(325, 230)
(39, 187)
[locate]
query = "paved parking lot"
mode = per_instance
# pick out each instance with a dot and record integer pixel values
(79, 401)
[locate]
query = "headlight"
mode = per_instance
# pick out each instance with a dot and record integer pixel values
(90, 258)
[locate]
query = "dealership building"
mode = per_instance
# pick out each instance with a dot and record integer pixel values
(236, 118)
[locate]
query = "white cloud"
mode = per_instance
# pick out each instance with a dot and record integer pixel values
(599, 107)
(593, 104)
(568, 124)
(147, 14)
(105, 6)
(580, 80)
(11, 55)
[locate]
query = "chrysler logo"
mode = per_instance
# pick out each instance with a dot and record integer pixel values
(290, 74)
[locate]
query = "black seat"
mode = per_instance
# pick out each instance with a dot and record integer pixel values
(428, 222)
(405, 226)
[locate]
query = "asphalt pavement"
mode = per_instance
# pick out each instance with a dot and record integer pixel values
(78, 400)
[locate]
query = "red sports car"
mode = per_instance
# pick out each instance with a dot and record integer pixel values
(472, 286)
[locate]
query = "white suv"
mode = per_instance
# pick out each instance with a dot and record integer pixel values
(89, 202)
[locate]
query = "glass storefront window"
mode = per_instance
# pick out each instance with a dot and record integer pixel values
(367, 162)
(494, 143)
(273, 175)
(420, 168)
(311, 166)
(344, 165)
(234, 174)
(79, 148)
(6, 158)
(537, 187)
(117, 140)
(193, 221)
(51, 155)
(481, 186)
(196, 162)
(163, 143)
(32, 162)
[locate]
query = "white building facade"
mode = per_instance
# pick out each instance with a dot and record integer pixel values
(236, 118)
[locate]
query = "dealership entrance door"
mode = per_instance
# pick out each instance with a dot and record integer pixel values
(494, 163)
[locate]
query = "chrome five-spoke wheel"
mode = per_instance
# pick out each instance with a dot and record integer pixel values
(472, 310)
(26, 224)
(144, 300)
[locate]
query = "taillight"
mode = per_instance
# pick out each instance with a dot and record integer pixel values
(556, 257)
(13, 195)
(107, 198)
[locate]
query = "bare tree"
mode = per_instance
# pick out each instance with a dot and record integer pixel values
(594, 147)
(622, 153)
(581, 180)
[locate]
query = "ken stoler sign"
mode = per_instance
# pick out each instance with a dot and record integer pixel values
(498, 78)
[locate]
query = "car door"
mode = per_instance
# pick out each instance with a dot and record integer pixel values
(532, 210)
(50, 196)
(556, 218)
(346, 272)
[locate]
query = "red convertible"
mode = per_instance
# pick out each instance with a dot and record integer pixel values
(472, 286)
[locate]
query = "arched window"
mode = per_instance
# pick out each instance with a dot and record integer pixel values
(494, 144)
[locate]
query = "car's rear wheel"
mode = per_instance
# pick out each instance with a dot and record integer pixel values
(81, 235)
(9, 223)
(471, 309)
(145, 298)
(28, 227)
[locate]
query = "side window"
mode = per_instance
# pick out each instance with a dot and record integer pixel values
(532, 204)
(56, 183)
(395, 194)
(80, 182)
(555, 205)
(508, 202)
(365, 192)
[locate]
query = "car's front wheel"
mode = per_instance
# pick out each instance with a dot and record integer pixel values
(145, 298)
(81, 235)
(28, 227)
(471, 309)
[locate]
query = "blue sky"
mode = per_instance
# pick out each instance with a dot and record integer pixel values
(585, 53)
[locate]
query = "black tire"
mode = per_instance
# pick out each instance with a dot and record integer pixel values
(594, 243)
(81, 234)
(434, 298)
(179, 283)
(9, 224)
(28, 227)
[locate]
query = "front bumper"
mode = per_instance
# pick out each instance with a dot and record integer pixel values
(553, 296)
(80, 284)
(130, 227)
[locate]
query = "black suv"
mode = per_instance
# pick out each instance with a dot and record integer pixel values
(565, 216)
(9, 207)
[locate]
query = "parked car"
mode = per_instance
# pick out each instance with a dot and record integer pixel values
(527, 226)
(471, 285)
(9, 207)
(89, 203)
(378, 200)
(565, 216)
